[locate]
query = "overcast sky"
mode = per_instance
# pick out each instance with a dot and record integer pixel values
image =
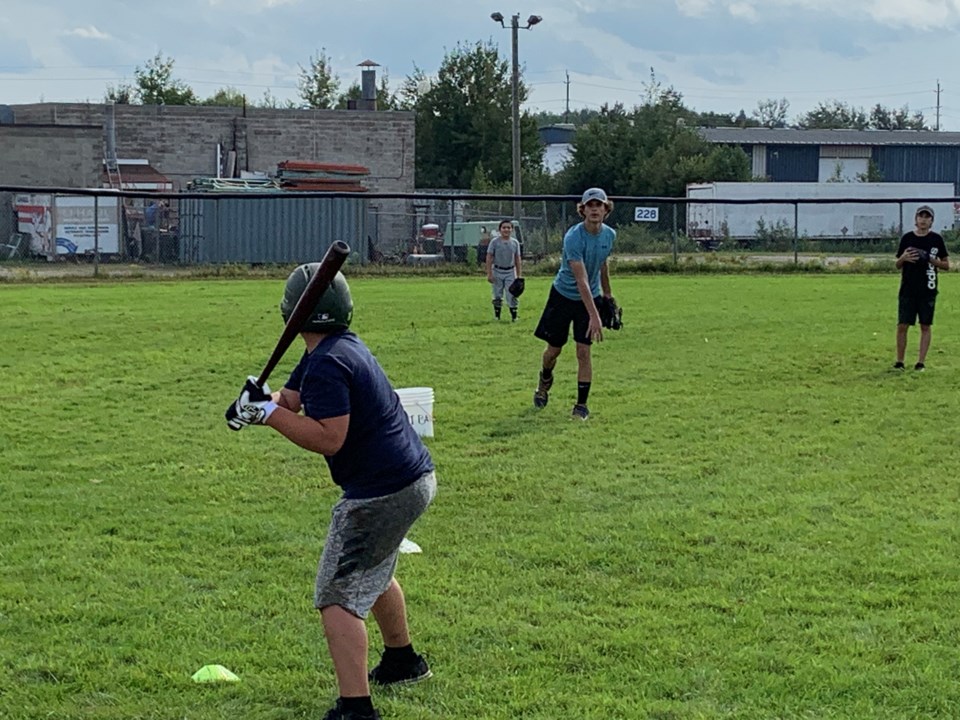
(721, 55)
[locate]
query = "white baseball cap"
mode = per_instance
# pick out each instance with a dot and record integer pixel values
(594, 194)
(925, 209)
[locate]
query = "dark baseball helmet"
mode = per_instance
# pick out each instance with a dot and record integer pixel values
(334, 309)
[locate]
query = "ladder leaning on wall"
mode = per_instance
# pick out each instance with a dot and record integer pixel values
(114, 181)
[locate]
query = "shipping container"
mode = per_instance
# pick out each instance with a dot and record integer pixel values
(270, 230)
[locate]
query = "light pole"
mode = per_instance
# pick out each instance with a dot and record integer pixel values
(515, 86)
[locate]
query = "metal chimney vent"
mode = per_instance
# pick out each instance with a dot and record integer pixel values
(368, 86)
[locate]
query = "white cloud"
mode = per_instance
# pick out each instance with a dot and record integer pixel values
(743, 10)
(694, 8)
(921, 14)
(90, 32)
(722, 55)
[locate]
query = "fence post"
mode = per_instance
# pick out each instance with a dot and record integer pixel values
(796, 232)
(546, 231)
(96, 235)
(675, 249)
(453, 233)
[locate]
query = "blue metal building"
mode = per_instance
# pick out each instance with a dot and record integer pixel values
(792, 155)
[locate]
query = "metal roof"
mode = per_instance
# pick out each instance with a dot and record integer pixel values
(793, 136)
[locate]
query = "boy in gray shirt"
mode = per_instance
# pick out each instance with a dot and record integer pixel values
(503, 267)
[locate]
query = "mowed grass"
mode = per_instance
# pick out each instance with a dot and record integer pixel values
(759, 520)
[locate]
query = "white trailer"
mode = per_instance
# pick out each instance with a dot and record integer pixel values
(890, 215)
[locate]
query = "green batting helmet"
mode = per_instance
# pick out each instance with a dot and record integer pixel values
(334, 309)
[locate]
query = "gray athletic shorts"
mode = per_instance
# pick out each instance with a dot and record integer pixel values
(360, 553)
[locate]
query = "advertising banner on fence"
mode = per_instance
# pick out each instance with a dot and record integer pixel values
(64, 224)
(76, 227)
(34, 218)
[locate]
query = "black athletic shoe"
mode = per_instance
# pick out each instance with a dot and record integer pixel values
(920, 366)
(898, 366)
(580, 412)
(335, 713)
(391, 673)
(542, 395)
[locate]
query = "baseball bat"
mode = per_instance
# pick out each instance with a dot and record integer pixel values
(331, 263)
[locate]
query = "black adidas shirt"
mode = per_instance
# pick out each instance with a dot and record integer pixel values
(919, 279)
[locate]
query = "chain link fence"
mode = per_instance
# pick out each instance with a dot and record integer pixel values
(57, 224)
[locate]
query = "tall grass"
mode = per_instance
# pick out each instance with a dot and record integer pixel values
(758, 520)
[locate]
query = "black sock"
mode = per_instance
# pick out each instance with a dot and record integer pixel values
(357, 705)
(583, 391)
(546, 373)
(400, 655)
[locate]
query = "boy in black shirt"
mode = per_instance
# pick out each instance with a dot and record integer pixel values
(921, 253)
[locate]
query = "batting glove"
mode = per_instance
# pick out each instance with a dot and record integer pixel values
(254, 405)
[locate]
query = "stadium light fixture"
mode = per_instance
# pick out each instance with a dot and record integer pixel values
(515, 86)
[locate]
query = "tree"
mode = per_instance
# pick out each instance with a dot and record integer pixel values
(122, 94)
(872, 174)
(838, 115)
(318, 85)
(269, 100)
(834, 115)
(882, 118)
(413, 86)
(772, 113)
(574, 117)
(715, 119)
(654, 150)
(156, 85)
(226, 97)
(464, 119)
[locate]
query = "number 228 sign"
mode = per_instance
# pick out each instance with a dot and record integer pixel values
(646, 214)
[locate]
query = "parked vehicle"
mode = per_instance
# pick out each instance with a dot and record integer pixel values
(890, 212)
(477, 234)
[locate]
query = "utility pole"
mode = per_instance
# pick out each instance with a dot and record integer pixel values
(515, 83)
(515, 27)
(566, 114)
(938, 105)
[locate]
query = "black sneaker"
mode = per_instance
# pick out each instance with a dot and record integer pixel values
(335, 713)
(580, 412)
(541, 396)
(391, 673)
(898, 365)
(920, 366)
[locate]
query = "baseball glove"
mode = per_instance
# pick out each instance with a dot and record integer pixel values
(611, 315)
(517, 287)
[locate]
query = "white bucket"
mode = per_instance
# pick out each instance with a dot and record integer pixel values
(418, 404)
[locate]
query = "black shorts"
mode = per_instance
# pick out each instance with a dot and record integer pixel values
(912, 308)
(559, 312)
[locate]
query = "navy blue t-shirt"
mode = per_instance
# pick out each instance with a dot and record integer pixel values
(382, 453)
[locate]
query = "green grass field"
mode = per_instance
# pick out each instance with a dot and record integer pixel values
(758, 521)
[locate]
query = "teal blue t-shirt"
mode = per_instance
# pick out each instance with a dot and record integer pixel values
(592, 250)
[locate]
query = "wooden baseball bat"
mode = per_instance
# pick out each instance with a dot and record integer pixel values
(332, 261)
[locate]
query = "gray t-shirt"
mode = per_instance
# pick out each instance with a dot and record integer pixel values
(503, 251)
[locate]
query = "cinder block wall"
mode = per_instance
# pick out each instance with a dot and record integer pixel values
(50, 156)
(181, 142)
